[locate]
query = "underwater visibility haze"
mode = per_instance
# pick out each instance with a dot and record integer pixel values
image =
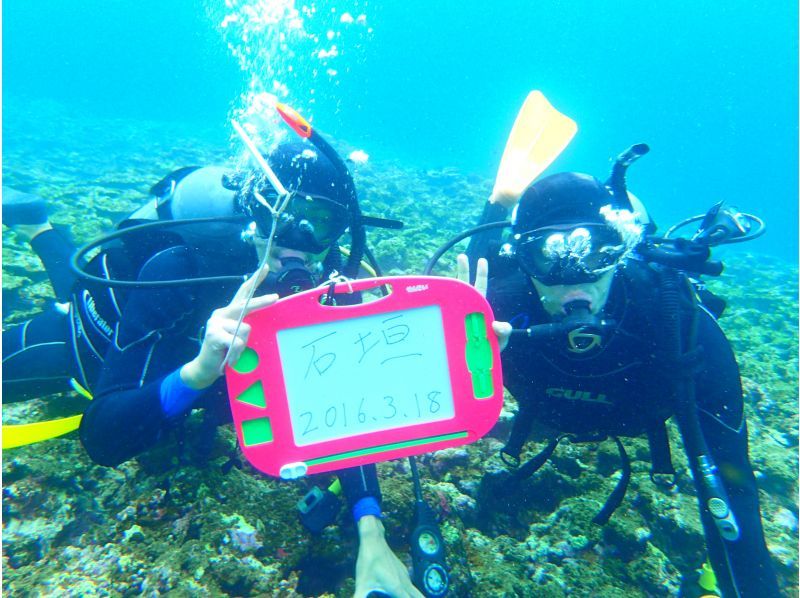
(102, 99)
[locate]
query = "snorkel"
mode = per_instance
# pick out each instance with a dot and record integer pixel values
(304, 129)
(616, 182)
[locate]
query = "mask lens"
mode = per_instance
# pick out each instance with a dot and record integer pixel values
(310, 222)
(569, 255)
(320, 217)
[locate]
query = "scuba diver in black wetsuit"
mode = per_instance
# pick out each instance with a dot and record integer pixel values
(609, 337)
(148, 323)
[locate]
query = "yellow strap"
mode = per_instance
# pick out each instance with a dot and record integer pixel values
(539, 135)
(81, 390)
(15, 435)
(22, 434)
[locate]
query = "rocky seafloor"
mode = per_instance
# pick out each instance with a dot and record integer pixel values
(176, 523)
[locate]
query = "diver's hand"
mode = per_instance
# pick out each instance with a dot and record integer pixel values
(377, 567)
(501, 329)
(204, 369)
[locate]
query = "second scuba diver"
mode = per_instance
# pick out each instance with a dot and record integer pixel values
(151, 351)
(610, 340)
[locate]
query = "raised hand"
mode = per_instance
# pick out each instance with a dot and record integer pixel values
(501, 329)
(221, 334)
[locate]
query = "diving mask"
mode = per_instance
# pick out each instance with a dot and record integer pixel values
(309, 223)
(569, 254)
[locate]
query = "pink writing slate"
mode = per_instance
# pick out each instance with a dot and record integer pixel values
(323, 387)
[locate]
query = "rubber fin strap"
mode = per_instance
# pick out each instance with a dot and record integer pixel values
(15, 435)
(615, 498)
(536, 462)
(521, 428)
(539, 135)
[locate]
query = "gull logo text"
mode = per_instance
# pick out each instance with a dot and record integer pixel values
(577, 395)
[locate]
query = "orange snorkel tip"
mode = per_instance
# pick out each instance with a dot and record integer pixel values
(292, 117)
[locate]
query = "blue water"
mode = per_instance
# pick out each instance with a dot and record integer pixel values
(711, 86)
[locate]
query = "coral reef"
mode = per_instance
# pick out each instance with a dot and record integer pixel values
(172, 522)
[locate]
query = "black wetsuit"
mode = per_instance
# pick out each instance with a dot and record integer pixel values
(623, 388)
(122, 344)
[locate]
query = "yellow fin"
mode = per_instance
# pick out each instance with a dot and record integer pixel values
(21, 434)
(15, 435)
(539, 135)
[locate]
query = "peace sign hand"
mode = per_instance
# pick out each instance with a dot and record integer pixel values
(221, 334)
(501, 329)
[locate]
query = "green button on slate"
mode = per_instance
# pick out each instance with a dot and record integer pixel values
(479, 355)
(254, 395)
(247, 362)
(256, 431)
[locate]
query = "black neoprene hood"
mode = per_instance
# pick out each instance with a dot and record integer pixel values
(302, 167)
(305, 226)
(562, 199)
